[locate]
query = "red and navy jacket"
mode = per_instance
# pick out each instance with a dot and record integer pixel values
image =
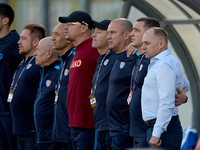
(44, 103)
(119, 88)
(137, 128)
(100, 114)
(24, 97)
(61, 130)
(9, 61)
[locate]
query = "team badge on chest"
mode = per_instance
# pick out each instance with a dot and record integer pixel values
(48, 83)
(106, 62)
(66, 72)
(141, 66)
(29, 66)
(122, 64)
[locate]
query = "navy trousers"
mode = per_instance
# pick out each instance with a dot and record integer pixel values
(26, 142)
(121, 141)
(140, 142)
(8, 141)
(103, 140)
(171, 139)
(83, 137)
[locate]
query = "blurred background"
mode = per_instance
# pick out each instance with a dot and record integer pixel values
(180, 18)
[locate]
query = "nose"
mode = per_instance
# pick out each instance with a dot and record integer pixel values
(143, 46)
(108, 36)
(94, 34)
(66, 26)
(53, 37)
(131, 34)
(19, 41)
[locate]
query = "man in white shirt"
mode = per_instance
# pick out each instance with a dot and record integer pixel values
(158, 101)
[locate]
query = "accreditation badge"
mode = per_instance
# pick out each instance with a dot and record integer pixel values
(130, 96)
(92, 100)
(56, 98)
(10, 96)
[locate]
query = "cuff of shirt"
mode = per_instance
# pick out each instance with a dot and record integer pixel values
(157, 132)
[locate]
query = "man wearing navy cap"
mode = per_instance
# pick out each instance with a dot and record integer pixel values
(78, 26)
(100, 83)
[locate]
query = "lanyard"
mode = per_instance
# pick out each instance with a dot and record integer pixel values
(95, 86)
(41, 79)
(20, 74)
(62, 65)
(133, 85)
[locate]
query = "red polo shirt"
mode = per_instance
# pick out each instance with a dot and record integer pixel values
(81, 72)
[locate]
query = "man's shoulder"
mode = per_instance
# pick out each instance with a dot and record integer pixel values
(171, 60)
(13, 35)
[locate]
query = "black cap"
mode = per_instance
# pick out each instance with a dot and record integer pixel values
(80, 16)
(103, 25)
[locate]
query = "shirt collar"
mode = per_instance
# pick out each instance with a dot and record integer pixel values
(160, 55)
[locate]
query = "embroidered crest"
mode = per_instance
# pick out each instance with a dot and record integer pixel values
(48, 83)
(106, 62)
(122, 64)
(29, 66)
(66, 72)
(141, 66)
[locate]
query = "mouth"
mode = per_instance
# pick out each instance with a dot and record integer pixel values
(132, 39)
(110, 42)
(66, 32)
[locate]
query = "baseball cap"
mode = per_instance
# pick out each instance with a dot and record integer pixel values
(80, 16)
(103, 25)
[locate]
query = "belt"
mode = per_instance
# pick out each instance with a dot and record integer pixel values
(150, 123)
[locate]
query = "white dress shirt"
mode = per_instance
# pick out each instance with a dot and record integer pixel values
(158, 92)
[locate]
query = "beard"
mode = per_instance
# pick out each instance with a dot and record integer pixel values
(67, 37)
(23, 53)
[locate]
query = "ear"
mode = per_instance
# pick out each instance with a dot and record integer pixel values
(35, 42)
(162, 43)
(49, 53)
(127, 34)
(84, 28)
(5, 20)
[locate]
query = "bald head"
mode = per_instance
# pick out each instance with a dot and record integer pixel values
(154, 42)
(160, 33)
(126, 25)
(46, 43)
(45, 55)
(119, 34)
(58, 39)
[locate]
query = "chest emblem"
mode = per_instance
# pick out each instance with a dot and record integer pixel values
(122, 64)
(141, 66)
(66, 72)
(106, 62)
(48, 83)
(29, 66)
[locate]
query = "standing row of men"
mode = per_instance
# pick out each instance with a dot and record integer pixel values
(116, 130)
(67, 78)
